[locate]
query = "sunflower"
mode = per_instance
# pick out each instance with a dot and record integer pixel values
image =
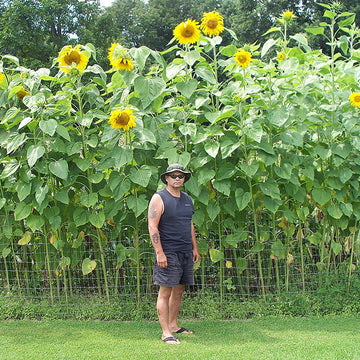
(72, 57)
(122, 119)
(243, 58)
(212, 23)
(355, 99)
(288, 16)
(22, 93)
(119, 58)
(281, 56)
(2, 77)
(187, 32)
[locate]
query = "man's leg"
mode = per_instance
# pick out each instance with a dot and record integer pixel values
(163, 306)
(174, 307)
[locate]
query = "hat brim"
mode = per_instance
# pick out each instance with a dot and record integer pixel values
(186, 173)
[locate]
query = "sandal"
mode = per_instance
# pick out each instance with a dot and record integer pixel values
(183, 331)
(172, 340)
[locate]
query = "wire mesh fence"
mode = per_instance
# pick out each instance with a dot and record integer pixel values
(118, 269)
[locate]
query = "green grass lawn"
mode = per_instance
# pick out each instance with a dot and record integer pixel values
(268, 338)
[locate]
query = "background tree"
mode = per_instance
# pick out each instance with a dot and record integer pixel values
(35, 30)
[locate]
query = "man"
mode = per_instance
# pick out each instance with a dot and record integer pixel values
(173, 237)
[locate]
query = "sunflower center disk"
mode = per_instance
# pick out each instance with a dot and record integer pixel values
(73, 57)
(123, 119)
(188, 32)
(212, 24)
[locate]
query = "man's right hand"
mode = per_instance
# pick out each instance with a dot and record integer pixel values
(161, 260)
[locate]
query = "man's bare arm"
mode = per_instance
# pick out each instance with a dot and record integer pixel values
(156, 207)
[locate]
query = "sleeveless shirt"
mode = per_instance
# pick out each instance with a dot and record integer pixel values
(175, 222)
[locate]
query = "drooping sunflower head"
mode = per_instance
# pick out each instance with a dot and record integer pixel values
(187, 32)
(243, 58)
(122, 119)
(281, 56)
(212, 23)
(22, 93)
(119, 57)
(355, 99)
(72, 58)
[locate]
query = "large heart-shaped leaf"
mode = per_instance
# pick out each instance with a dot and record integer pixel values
(88, 266)
(141, 176)
(34, 153)
(48, 126)
(22, 211)
(60, 169)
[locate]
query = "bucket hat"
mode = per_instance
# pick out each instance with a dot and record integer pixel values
(175, 167)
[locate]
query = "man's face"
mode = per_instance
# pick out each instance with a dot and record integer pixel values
(175, 179)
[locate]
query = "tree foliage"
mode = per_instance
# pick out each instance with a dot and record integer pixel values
(35, 30)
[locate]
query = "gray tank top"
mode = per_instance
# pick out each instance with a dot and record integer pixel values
(175, 222)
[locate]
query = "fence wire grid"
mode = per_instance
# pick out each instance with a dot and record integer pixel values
(38, 266)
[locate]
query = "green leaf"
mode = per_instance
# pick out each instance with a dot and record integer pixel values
(347, 209)
(321, 196)
(97, 219)
(62, 131)
(123, 156)
(206, 74)
(149, 89)
(278, 249)
(335, 211)
(60, 169)
(10, 168)
(80, 216)
(258, 247)
(345, 175)
(22, 211)
(213, 210)
(250, 169)
(12, 112)
(141, 176)
(323, 151)
(89, 200)
(336, 248)
(202, 247)
(212, 148)
(34, 153)
(204, 175)
(62, 196)
(284, 171)
(269, 43)
(88, 266)
(226, 171)
(187, 88)
(96, 178)
(270, 188)
(216, 255)
(40, 194)
(278, 117)
(14, 142)
(83, 164)
(191, 57)
(23, 190)
(315, 31)
(35, 222)
(137, 205)
(122, 189)
(242, 198)
(48, 126)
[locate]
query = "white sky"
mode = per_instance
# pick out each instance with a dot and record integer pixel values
(106, 2)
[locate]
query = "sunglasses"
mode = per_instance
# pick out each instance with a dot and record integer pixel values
(177, 176)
